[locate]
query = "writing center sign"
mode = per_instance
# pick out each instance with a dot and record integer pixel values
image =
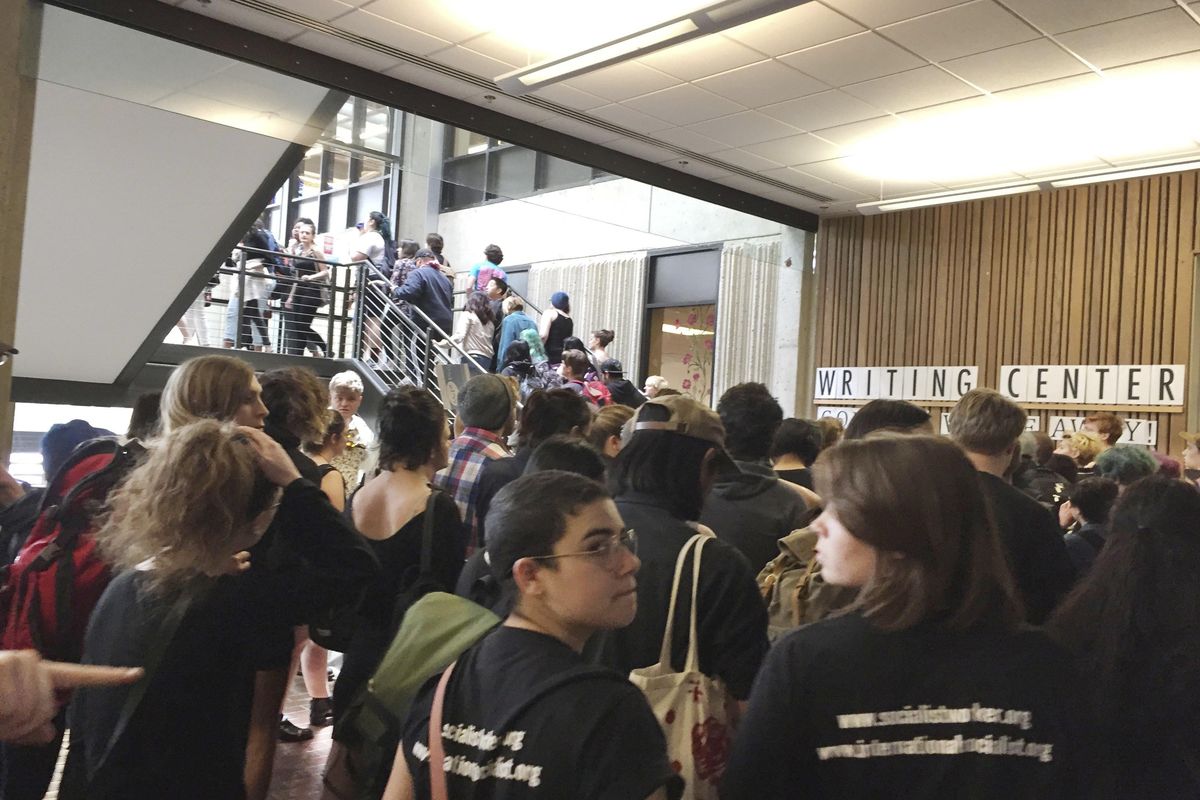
(1100, 384)
(895, 383)
(1137, 431)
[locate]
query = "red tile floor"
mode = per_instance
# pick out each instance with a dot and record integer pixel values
(298, 766)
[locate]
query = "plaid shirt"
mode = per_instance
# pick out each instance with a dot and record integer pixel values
(460, 479)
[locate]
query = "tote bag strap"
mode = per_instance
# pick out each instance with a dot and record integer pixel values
(437, 751)
(693, 654)
(664, 656)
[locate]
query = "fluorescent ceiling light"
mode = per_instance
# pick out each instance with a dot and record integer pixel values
(1140, 172)
(941, 199)
(711, 19)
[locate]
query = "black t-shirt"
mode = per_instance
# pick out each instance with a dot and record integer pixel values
(800, 477)
(592, 737)
(731, 619)
(842, 709)
(187, 738)
(1034, 545)
(494, 475)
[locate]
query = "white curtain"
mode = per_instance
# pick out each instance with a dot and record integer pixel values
(606, 292)
(746, 311)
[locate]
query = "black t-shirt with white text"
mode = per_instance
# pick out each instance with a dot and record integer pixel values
(591, 737)
(842, 709)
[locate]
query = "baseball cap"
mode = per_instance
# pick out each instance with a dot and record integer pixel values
(425, 252)
(1190, 438)
(688, 417)
(612, 366)
(485, 402)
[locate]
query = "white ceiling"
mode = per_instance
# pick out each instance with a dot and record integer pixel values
(855, 100)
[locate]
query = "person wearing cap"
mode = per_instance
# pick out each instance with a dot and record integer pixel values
(489, 268)
(750, 506)
(556, 325)
(1191, 456)
(676, 446)
(612, 372)
(430, 292)
(487, 411)
(929, 685)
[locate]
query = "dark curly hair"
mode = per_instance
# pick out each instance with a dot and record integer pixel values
(750, 416)
(549, 412)
(412, 425)
(296, 400)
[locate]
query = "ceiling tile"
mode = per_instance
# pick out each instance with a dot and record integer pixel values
(849, 136)
(627, 117)
(762, 83)
(623, 81)
(1068, 15)
(1081, 165)
(743, 183)
(873, 13)
(839, 171)
(690, 140)
(433, 18)
(247, 18)
(960, 31)
(322, 10)
(795, 149)
(570, 97)
(813, 183)
(581, 130)
(684, 104)
(638, 148)
(431, 80)
(794, 29)
(343, 50)
(378, 29)
(925, 86)
(853, 59)
(822, 110)
(740, 158)
(701, 57)
(1162, 33)
(502, 49)
(473, 63)
(1018, 65)
(743, 128)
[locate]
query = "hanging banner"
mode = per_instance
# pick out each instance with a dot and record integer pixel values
(1097, 384)
(918, 384)
(1137, 431)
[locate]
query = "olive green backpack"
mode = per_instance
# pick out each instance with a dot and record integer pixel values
(793, 589)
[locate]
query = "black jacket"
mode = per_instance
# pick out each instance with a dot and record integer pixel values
(429, 290)
(753, 509)
(625, 393)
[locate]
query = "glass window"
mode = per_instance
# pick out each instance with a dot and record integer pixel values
(368, 169)
(468, 142)
(557, 173)
(376, 125)
(343, 126)
(336, 207)
(308, 182)
(681, 348)
(339, 170)
(368, 198)
(511, 172)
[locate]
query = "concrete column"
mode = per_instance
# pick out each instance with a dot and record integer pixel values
(19, 34)
(420, 177)
(797, 299)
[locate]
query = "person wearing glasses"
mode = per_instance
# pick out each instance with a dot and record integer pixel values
(522, 713)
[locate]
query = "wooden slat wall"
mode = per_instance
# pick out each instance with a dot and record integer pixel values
(1097, 274)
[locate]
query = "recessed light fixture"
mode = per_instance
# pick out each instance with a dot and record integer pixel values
(902, 203)
(711, 19)
(1139, 172)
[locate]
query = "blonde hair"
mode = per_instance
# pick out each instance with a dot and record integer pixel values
(187, 506)
(208, 387)
(348, 381)
(1087, 444)
(512, 303)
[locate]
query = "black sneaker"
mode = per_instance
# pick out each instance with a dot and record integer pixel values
(320, 712)
(290, 733)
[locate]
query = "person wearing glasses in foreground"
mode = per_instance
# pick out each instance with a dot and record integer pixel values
(928, 685)
(523, 716)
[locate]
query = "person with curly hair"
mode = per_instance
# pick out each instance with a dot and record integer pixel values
(208, 490)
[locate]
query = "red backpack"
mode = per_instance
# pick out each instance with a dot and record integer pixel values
(48, 593)
(596, 393)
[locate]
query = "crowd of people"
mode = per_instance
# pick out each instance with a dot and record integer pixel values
(874, 611)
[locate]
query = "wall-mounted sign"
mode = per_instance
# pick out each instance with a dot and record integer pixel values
(1103, 384)
(895, 383)
(1031, 423)
(1137, 431)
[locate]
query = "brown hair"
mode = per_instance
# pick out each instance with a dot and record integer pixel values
(831, 431)
(334, 426)
(1109, 425)
(918, 500)
(188, 505)
(296, 400)
(986, 422)
(208, 387)
(608, 422)
(577, 362)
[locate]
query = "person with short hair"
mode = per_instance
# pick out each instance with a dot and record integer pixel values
(562, 553)
(489, 268)
(436, 243)
(1083, 447)
(882, 415)
(346, 397)
(569, 454)
(429, 292)
(487, 411)
(556, 325)
(598, 347)
(1105, 424)
(794, 448)
(653, 385)
(607, 429)
(1086, 512)
(987, 425)
(749, 506)
(1191, 456)
(832, 430)
(513, 321)
(612, 373)
(662, 478)
(573, 369)
(1125, 464)
(918, 688)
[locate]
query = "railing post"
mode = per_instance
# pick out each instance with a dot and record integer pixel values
(331, 282)
(358, 316)
(237, 331)
(426, 359)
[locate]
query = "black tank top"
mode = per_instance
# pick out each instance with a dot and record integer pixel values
(560, 328)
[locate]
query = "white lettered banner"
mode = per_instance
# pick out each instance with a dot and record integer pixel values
(1031, 423)
(1137, 431)
(895, 383)
(1101, 384)
(842, 414)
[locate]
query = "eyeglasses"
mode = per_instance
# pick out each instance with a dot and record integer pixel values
(607, 553)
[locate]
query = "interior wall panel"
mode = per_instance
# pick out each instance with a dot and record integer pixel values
(1099, 274)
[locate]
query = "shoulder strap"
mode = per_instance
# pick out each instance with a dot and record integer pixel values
(693, 654)
(427, 534)
(437, 751)
(158, 648)
(664, 656)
